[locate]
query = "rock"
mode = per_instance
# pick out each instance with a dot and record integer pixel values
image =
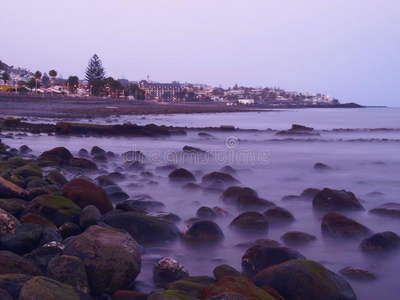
(219, 176)
(259, 242)
(7, 223)
(136, 166)
(375, 194)
(89, 216)
(83, 163)
(337, 225)
(57, 209)
(203, 232)
(297, 127)
(309, 193)
(117, 176)
(229, 170)
(83, 153)
(36, 219)
(329, 199)
(250, 221)
(379, 242)
(357, 274)
(13, 283)
(308, 280)
(171, 295)
(12, 206)
(144, 229)
(227, 296)
(257, 258)
(186, 285)
(10, 190)
(83, 193)
(104, 180)
(37, 183)
(146, 205)
(28, 171)
(12, 263)
(17, 161)
(225, 270)
(171, 217)
(132, 206)
(59, 155)
(55, 177)
(24, 149)
(236, 285)
(97, 151)
(181, 175)
(70, 271)
(42, 256)
(169, 270)
(320, 167)
(278, 215)
(193, 149)
(105, 251)
(101, 158)
(387, 209)
(50, 236)
(23, 240)
(244, 198)
(297, 238)
(69, 229)
(129, 295)
(205, 212)
(118, 196)
(46, 288)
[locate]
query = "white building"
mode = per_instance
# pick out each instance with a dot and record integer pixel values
(246, 101)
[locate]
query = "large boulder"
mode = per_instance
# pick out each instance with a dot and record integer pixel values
(276, 215)
(338, 225)
(45, 288)
(83, 193)
(106, 252)
(382, 241)
(305, 279)
(144, 229)
(203, 231)
(58, 155)
(83, 163)
(12, 263)
(181, 175)
(250, 221)
(219, 176)
(225, 270)
(244, 197)
(7, 223)
(57, 209)
(388, 209)
(13, 283)
(13, 206)
(329, 199)
(89, 216)
(55, 177)
(169, 270)
(297, 238)
(257, 258)
(24, 239)
(10, 190)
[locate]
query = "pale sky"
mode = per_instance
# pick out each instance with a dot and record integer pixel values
(349, 49)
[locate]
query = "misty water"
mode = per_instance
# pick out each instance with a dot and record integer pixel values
(363, 161)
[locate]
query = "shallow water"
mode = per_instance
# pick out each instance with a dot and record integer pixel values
(286, 167)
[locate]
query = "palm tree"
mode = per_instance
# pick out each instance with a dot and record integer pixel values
(53, 75)
(38, 74)
(5, 77)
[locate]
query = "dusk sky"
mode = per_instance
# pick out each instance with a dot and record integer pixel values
(349, 49)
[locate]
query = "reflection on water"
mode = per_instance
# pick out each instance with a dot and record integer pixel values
(360, 167)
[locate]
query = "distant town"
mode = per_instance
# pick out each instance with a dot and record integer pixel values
(95, 84)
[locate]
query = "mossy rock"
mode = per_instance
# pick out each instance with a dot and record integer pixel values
(47, 163)
(54, 190)
(55, 177)
(225, 270)
(13, 283)
(18, 180)
(29, 170)
(4, 167)
(13, 206)
(191, 285)
(171, 295)
(104, 180)
(17, 161)
(37, 182)
(45, 288)
(12, 263)
(36, 219)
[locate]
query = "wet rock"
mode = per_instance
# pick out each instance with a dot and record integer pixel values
(117, 176)
(237, 286)
(205, 212)
(83, 163)
(8, 223)
(144, 229)
(101, 158)
(145, 204)
(36, 219)
(17, 161)
(37, 183)
(69, 229)
(55, 177)
(166, 169)
(89, 216)
(168, 270)
(297, 238)
(219, 176)
(10, 190)
(357, 274)
(251, 221)
(12, 263)
(320, 167)
(245, 198)
(69, 270)
(259, 242)
(129, 295)
(193, 287)
(28, 171)
(379, 242)
(203, 231)
(96, 150)
(308, 280)
(337, 225)
(42, 256)
(225, 270)
(58, 155)
(12, 206)
(105, 251)
(170, 295)
(181, 175)
(57, 209)
(136, 166)
(23, 240)
(329, 199)
(13, 283)
(193, 149)
(309, 193)
(46, 288)
(375, 195)
(227, 296)
(118, 197)
(388, 209)
(24, 149)
(229, 170)
(257, 258)
(83, 193)
(205, 135)
(49, 236)
(132, 206)
(83, 153)
(278, 215)
(171, 217)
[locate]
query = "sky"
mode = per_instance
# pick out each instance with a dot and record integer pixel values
(349, 49)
